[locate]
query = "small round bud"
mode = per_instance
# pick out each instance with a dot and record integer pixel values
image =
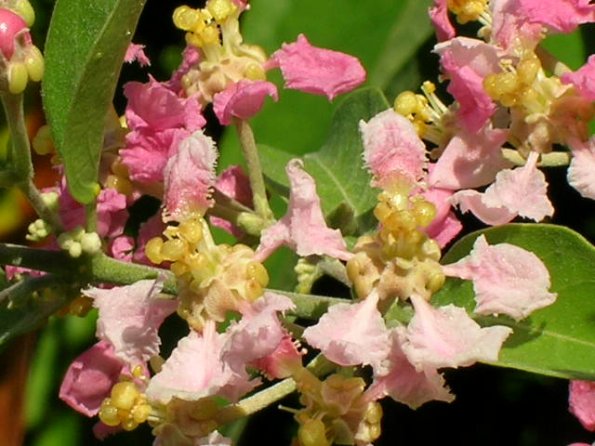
(108, 414)
(124, 395)
(75, 250)
(34, 63)
(26, 11)
(406, 103)
(90, 243)
(17, 77)
(43, 143)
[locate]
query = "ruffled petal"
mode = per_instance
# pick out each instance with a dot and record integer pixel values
(303, 228)
(581, 172)
(439, 17)
(234, 183)
(582, 402)
(242, 100)
(317, 70)
(583, 79)
(135, 52)
(448, 337)
(365, 342)
(558, 15)
(506, 279)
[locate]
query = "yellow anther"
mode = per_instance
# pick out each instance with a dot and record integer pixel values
(140, 413)
(424, 212)
(312, 433)
(435, 282)
(406, 103)
(174, 249)
(508, 82)
(191, 231)
(210, 34)
(257, 271)
(129, 424)
(194, 40)
(428, 87)
(374, 413)
(490, 85)
(124, 395)
(254, 72)
(186, 18)
(121, 184)
(34, 63)
(527, 70)
(179, 268)
(253, 290)
(108, 414)
(43, 144)
(153, 250)
(17, 77)
(220, 9)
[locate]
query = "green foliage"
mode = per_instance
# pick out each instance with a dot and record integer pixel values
(84, 51)
(337, 167)
(558, 340)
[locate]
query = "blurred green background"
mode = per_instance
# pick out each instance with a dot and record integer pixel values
(393, 39)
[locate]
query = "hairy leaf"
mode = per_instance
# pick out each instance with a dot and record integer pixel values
(558, 340)
(84, 51)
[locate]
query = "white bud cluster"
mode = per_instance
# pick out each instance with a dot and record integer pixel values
(77, 242)
(38, 230)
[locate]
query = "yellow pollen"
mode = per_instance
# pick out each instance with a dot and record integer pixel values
(221, 9)
(153, 250)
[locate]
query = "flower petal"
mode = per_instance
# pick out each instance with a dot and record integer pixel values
(582, 402)
(583, 79)
(558, 15)
(242, 100)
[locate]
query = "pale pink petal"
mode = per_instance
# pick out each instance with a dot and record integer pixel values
(439, 16)
(195, 370)
(510, 30)
(130, 317)
(470, 160)
(582, 402)
(392, 147)
(581, 172)
(303, 228)
(89, 379)
(506, 279)
(445, 226)
(122, 247)
(189, 176)
(467, 62)
(448, 337)
(317, 70)
(135, 52)
(402, 382)
(351, 334)
(518, 192)
(558, 15)
(234, 183)
(242, 100)
(583, 79)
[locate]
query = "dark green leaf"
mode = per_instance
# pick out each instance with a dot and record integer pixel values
(341, 179)
(84, 51)
(558, 340)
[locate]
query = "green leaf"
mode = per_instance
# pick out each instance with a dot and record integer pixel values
(337, 167)
(558, 340)
(84, 51)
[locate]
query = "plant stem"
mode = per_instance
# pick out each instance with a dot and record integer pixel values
(21, 158)
(250, 152)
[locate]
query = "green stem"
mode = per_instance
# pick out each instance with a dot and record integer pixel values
(552, 159)
(250, 152)
(21, 158)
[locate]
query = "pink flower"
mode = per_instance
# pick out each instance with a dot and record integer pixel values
(130, 317)
(582, 402)
(448, 337)
(365, 342)
(89, 379)
(518, 192)
(189, 175)
(506, 279)
(559, 15)
(583, 79)
(12, 25)
(135, 52)
(581, 172)
(403, 382)
(303, 228)
(317, 70)
(195, 370)
(470, 160)
(234, 183)
(510, 30)
(281, 362)
(467, 62)
(242, 100)
(439, 16)
(392, 147)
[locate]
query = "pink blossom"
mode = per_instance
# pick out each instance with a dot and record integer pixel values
(583, 79)
(448, 337)
(11, 26)
(89, 379)
(189, 175)
(558, 15)
(190, 58)
(130, 317)
(195, 370)
(470, 160)
(121, 248)
(400, 380)
(467, 62)
(365, 342)
(234, 183)
(582, 402)
(135, 52)
(282, 362)
(445, 225)
(439, 16)
(581, 172)
(303, 228)
(517, 192)
(242, 100)
(506, 279)
(317, 70)
(510, 30)
(392, 147)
